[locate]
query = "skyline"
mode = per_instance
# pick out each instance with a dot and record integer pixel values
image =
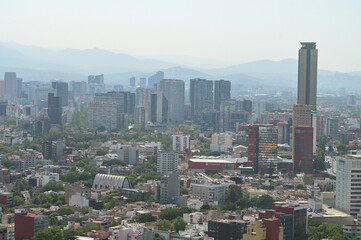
(235, 33)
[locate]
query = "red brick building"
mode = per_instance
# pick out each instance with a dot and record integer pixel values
(27, 224)
(302, 155)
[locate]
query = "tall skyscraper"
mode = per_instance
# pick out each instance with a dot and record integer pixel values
(61, 90)
(222, 92)
(103, 115)
(143, 82)
(159, 108)
(132, 81)
(302, 115)
(307, 74)
(125, 100)
(262, 148)
(54, 109)
(201, 97)
(11, 89)
(302, 151)
(348, 182)
(173, 91)
(154, 79)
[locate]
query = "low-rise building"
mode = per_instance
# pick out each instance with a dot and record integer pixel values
(209, 192)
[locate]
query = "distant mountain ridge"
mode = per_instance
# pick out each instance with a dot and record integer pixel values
(42, 64)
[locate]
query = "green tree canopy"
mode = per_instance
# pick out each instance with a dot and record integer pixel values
(53, 233)
(233, 193)
(179, 224)
(53, 186)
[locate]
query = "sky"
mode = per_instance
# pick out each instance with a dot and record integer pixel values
(234, 31)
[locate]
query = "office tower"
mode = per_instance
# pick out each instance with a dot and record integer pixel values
(181, 143)
(132, 81)
(173, 91)
(302, 154)
(54, 109)
(96, 79)
(351, 100)
(262, 148)
(169, 187)
(154, 79)
(331, 128)
(348, 182)
(61, 90)
(103, 116)
(125, 100)
(19, 82)
(142, 99)
(226, 108)
(302, 115)
(129, 155)
(307, 74)
(118, 87)
(139, 118)
(211, 121)
(284, 132)
(244, 105)
(222, 92)
(11, 88)
(167, 162)
(159, 108)
(47, 149)
(2, 89)
(259, 109)
(3, 105)
(79, 88)
(143, 82)
(201, 97)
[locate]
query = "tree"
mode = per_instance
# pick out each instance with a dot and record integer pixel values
(265, 202)
(53, 233)
(100, 152)
(85, 210)
(163, 224)
(319, 164)
(300, 186)
(205, 207)
(183, 190)
(53, 186)
(170, 214)
(179, 224)
(308, 180)
(89, 227)
(18, 201)
(68, 233)
(21, 185)
(156, 236)
(233, 193)
(147, 217)
(325, 230)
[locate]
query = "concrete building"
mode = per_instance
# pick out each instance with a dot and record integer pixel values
(76, 194)
(132, 81)
(103, 116)
(302, 115)
(169, 187)
(140, 122)
(201, 97)
(181, 143)
(27, 224)
(307, 74)
(266, 229)
(208, 192)
(353, 231)
(173, 91)
(124, 100)
(6, 198)
(221, 142)
(222, 92)
(54, 109)
(167, 162)
(129, 155)
(227, 229)
(348, 184)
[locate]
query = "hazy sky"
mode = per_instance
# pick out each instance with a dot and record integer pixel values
(228, 30)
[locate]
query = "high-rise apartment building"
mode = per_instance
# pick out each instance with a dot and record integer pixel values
(103, 116)
(27, 224)
(10, 87)
(129, 155)
(54, 109)
(158, 108)
(181, 143)
(169, 187)
(143, 82)
(140, 118)
(307, 74)
(154, 79)
(61, 90)
(262, 148)
(302, 154)
(173, 91)
(132, 81)
(167, 162)
(96, 79)
(244, 105)
(348, 185)
(201, 97)
(222, 92)
(221, 142)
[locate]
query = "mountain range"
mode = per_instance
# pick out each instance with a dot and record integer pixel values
(43, 64)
